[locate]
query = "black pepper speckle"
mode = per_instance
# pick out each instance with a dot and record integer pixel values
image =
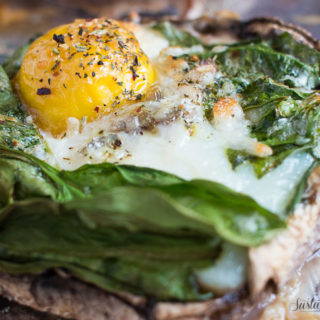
(59, 38)
(43, 91)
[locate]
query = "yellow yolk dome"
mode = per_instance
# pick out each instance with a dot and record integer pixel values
(84, 70)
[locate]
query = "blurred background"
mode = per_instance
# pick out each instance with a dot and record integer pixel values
(21, 19)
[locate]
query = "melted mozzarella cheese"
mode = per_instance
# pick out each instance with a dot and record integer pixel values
(200, 155)
(228, 273)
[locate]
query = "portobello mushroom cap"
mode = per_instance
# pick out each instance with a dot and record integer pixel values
(57, 295)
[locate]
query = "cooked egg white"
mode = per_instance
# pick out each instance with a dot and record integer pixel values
(161, 126)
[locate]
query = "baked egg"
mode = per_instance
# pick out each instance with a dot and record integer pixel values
(109, 91)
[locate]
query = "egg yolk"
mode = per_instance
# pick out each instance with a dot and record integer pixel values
(84, 70)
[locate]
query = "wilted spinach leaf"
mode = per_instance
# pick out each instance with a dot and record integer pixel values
(286, 119)
(9, 103)
(175, 36)
(286, 44)
(198, 205)
(40, 234)
(253, 61)
(121, 227)
(15, 131)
